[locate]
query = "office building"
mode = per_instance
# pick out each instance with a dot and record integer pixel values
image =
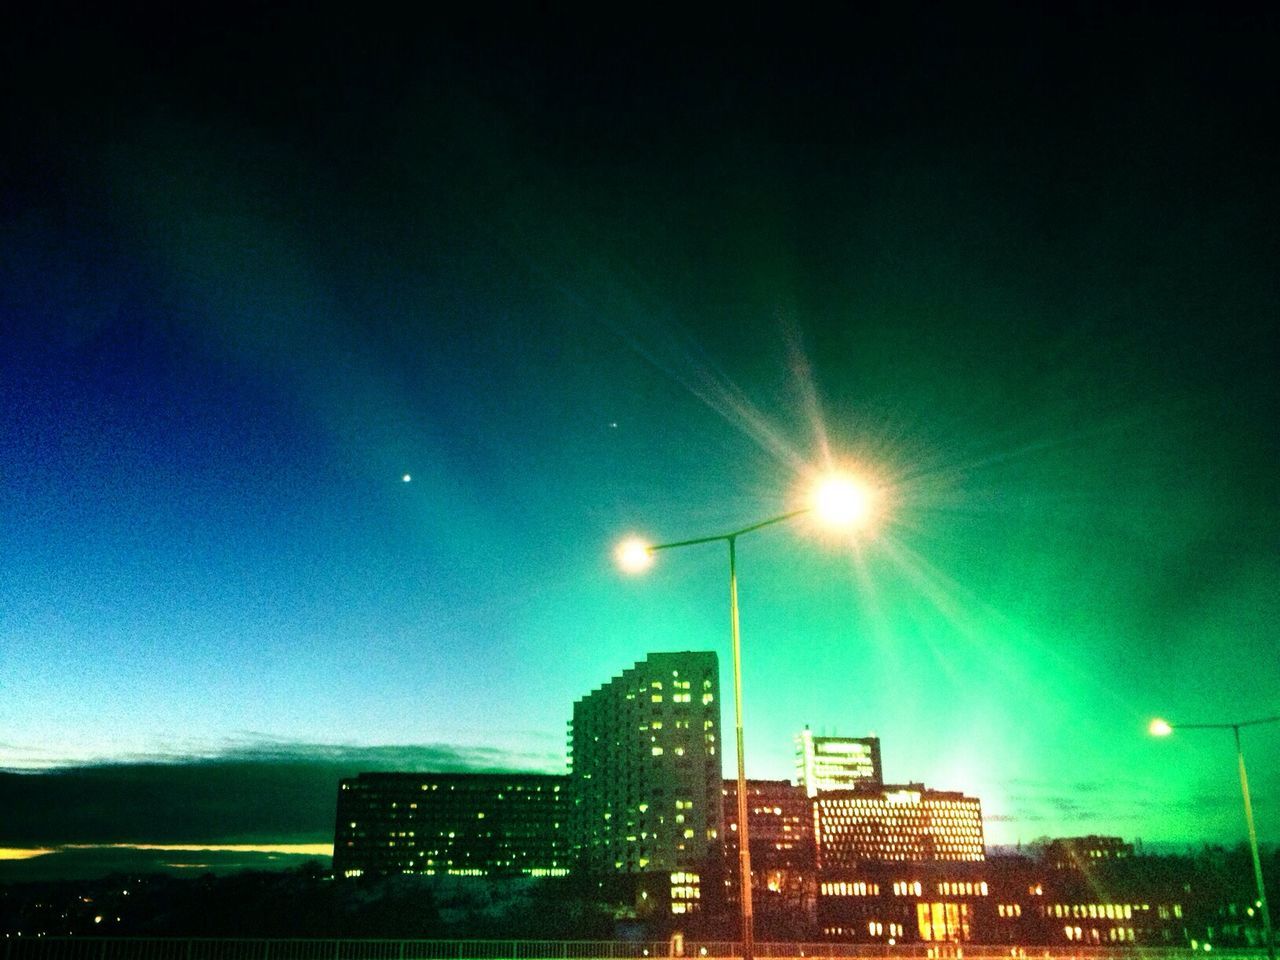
(459, 824)
(1076, 853)
(836, 763)
(645, 767)
(894, 902)
(781, 822)
(783, 882)
(896, 823)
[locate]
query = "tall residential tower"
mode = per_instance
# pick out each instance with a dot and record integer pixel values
(645, 766)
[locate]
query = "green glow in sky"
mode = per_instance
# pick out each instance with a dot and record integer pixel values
(251, 289)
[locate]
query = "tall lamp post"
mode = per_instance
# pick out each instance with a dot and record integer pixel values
(1162, 728)
(839, 502)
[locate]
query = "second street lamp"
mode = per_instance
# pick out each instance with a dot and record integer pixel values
(837, 501)
(1162, 728)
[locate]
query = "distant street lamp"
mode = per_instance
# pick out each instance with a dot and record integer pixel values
(1162, 728)
(838, 501)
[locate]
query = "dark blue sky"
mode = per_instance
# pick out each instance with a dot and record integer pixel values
(580, 280)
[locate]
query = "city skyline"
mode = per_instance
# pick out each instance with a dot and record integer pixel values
(336, 359)
(283, 782)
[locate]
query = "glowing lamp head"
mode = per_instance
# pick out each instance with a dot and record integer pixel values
(1160, 728)
(841, 501)
(633, 555)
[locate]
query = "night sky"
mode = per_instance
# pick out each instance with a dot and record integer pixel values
(582, 278)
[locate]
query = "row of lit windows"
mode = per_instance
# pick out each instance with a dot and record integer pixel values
(966, 889)
(883, 854)
(431, 871)
(865, 828)
(368, 787)
(678, 724)
(880, 822)
(1009, 909)
(877, 929)
(681, 698)
(843, 889)
(862, 802)
(839, 826)
(900, 835)
(849, 805)
(839, 845)
(1105, 911)
(1115, 934)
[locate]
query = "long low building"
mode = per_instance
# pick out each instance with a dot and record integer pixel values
(460, 824)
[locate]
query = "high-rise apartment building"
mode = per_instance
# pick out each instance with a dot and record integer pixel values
(645, 766)
(460, 824)
(836, 763)
(903, 823)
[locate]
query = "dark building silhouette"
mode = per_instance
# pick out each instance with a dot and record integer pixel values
(1073, 853)
(460, 824)
(783, 880)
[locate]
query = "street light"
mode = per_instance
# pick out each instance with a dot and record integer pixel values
(1162, 728)
(838, 501)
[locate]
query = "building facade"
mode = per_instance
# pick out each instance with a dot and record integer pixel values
(894, 902)
(781, 822)
(1075, 853)
(459, 824)
(836, 763)
(896, 823)
(645, 767)
(783, 881)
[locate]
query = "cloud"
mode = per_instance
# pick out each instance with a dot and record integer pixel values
(1063, 805)
(255, 793)
(90, 862)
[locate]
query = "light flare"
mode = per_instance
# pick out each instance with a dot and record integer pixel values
(840, 500)
(633, 555)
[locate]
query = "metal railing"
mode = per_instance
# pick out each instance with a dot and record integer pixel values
(176, 948)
